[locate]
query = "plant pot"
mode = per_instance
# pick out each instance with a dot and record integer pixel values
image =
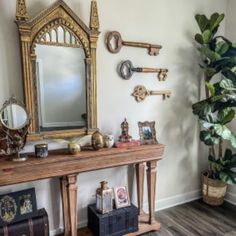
(213, 190)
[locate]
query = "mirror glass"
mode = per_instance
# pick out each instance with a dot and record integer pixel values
(13, 116)
(61, 87)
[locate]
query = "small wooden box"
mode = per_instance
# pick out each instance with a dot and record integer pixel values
(116, 223)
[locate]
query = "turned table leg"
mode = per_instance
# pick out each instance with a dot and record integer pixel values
(69, 204)
(151, 182)
(140, 167)
(72, 196)
(65, 205)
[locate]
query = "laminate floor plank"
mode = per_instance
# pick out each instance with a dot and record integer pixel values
(226, 217)
(197, 219)
(210, 221)
(185, 222)
(201, 221)
(169, 223)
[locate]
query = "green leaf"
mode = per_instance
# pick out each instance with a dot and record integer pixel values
(233, 160)
(213, 56)
(211, 88)
(202, 22)
(227, 84)
(208, 138)
(226, 115)
(211, 158)
(228, 177)
(222, 131)
(210, 72)
(215, 20)
(201, 109)
(206, 36)
(216, 98)
(230, 75)
(225, 133)
(222, 47)
(199, 38)
(228, 154)
(224, 63)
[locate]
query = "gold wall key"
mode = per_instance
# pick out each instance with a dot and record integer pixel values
(140, 93)
(114, 36)
(126, 70)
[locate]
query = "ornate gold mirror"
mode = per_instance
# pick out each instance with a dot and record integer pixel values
(59, 70)
(14, 123)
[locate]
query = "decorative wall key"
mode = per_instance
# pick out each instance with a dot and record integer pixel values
(126, 70)
(153, 49)
(140, 93)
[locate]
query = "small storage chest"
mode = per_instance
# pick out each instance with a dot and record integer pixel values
(115, 223)
(36, 226)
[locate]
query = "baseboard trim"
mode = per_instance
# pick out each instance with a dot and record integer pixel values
(231, 198)
(60, 230)
(175, 200)
(56, 231)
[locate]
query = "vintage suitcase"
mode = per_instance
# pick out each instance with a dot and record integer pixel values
(36, 226)
(116, 223)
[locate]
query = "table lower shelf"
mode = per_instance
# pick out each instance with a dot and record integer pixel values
(144, 227)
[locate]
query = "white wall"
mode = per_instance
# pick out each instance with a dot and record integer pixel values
(231, 34)
(165, 22)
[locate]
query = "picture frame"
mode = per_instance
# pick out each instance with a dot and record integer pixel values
(121, 195)
(17, 206)
(147, 132)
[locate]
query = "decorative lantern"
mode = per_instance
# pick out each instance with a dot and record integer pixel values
(104, 202)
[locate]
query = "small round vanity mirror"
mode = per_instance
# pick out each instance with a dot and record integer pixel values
(14, 123)
(14, 117)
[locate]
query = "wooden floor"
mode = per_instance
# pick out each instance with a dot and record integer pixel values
(193, 219)
(197, 218)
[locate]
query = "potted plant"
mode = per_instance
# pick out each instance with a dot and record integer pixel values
(216, 110)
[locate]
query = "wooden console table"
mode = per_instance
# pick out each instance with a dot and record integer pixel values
(67, 167)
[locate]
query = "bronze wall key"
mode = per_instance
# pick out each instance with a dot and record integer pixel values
(153, 50)
(140, 93)
(126, 70)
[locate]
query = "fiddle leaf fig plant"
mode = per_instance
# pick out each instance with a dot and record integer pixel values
(216, 110)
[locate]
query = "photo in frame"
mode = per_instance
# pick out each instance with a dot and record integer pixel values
(121, 195)
(147, 132)
(17, 206)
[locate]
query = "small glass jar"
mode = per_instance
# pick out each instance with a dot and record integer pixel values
(41, 150)
(104, 198)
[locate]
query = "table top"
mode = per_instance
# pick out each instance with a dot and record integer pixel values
(60, 162)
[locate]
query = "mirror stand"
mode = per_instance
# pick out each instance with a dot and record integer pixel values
(20, 158)
(14, 124)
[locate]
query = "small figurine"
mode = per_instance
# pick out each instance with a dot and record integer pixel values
(109, 140)
(125, 137)
(97, 140)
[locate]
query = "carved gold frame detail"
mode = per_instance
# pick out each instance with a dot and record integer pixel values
(39, 30)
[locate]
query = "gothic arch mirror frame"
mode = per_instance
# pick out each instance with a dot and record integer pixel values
(39, 30)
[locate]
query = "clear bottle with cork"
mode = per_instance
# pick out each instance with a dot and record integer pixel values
(104, 198)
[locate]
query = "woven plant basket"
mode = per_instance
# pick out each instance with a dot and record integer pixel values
(213, 190)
